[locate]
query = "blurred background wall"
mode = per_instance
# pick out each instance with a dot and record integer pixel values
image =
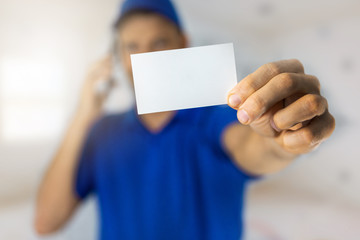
(46, 48)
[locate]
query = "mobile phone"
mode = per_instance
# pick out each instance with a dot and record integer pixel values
(117, 90)
(104, 88)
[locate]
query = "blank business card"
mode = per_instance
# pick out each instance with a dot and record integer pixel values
(183, 78)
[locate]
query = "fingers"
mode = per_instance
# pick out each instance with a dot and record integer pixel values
(304, 109)
(260, 77)
(97, 84)
(101, 70)
(279, 100)
(309, 137)
(277, 89)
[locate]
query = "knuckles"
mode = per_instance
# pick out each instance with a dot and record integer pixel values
(309, 138)
(287, 81)
(332, 123)
(316, 82)
(249, 85)
(299, 65)
(255, 105)
(273, 68)
(315, 104)
(279, 122)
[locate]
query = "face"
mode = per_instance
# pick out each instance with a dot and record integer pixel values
(147, 33)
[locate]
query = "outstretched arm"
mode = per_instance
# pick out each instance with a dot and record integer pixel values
(284, 116)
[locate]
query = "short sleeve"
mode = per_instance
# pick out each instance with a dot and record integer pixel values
(216, 119)
(84, 175)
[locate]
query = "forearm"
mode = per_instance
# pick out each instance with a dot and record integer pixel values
(56, 199)
(265, 155)
(254, 153)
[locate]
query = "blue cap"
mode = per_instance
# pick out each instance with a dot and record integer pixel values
(162, 7)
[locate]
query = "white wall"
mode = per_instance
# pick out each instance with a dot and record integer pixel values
(54, 42)
(325, 36)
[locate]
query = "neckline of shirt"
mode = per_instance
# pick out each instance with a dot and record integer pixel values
(135, 118)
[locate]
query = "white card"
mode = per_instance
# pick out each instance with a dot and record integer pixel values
(183, 78)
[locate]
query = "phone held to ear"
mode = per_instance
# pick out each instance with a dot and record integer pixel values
(116, 91)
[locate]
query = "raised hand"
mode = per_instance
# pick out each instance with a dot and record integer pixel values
(280, 101)
(97, 85)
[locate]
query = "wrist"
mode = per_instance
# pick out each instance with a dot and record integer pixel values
(88, 114)
(278, 150)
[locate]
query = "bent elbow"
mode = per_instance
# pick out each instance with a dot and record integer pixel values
(51, 216)
(43, 226)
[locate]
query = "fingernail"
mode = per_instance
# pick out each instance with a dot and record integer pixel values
(234, 100)
(243, 116)
(273, 125)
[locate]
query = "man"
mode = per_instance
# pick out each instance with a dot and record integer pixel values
(179, 175)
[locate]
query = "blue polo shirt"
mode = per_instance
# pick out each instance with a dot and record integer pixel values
(175, 184)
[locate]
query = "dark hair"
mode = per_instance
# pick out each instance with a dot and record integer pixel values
(141, 12)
